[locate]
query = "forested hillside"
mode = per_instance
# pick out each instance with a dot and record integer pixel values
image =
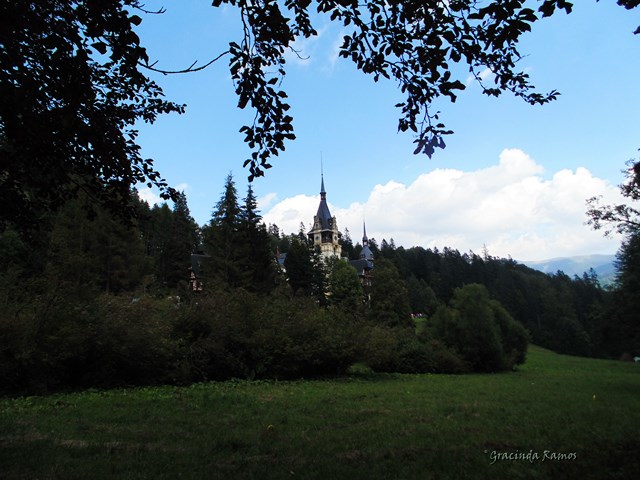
(87, 301)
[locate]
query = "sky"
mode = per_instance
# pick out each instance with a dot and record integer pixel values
(513, 178)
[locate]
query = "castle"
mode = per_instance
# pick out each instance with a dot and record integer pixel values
(325, 236)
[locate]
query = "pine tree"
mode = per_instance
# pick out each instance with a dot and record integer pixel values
(627, 295)
(319, 278)
(299, 267)
(258, 256)
(345, 288)
(302, 232)
(183, 241)
(98, 254)
(389, 300)
(222, 238)
(347, 245)
(158, 240)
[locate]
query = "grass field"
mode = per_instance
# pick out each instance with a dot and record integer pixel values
(556, 417)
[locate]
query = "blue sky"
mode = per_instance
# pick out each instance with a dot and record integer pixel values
(513, 177)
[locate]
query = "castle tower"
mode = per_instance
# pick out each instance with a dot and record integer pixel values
(324, 233)
(366, 252)
(364, 265)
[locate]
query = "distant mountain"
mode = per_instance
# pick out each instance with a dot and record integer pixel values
(602, 264)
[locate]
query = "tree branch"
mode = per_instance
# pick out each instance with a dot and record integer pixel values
(192, 68)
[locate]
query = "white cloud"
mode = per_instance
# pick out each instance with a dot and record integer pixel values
(305, 51)
(182, 187)
(288, 213)
(266, 201)
(303, 48)
(149, 195)
(334, 51)
(152, 197)
(485, 74)
(509, 207)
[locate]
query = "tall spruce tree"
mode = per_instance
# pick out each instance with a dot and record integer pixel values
(389, 300)
(345, 288)
(257, 255)
(158, 239)
(299, 267)
(627, 296)
(319, 280)
(347, 245)
(183, 240)
(98, 254)
(223, 239)
(624, 335)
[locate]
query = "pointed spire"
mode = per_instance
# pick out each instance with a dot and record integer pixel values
(323, 215)
(365, 240)
(322, 191)
(366, 252)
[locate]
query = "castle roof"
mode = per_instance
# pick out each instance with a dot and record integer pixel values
(366, 252)
(362, 265)
(323, 214)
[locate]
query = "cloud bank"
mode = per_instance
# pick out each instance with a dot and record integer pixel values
(152, 196)
(509, 208)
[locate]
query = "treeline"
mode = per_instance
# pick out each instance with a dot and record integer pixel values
(573, 315)
(567, 315)
(86, 301)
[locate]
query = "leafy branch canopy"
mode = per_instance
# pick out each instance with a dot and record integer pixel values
(72, 87)
(412, 42)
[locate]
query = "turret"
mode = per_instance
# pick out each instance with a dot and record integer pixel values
(366, 252)
(324, 233)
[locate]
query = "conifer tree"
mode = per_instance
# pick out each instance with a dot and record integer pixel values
(627, 297)
(299, 267)
(258, 256)
(222, 240)
(319, 278)
(345, 289)
(183, 240)
(161, 223)
(95, 254)
(389, 301)
(347, 245)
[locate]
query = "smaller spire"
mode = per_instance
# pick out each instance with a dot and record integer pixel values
(322, 191)
(365, 240)
(366, 252)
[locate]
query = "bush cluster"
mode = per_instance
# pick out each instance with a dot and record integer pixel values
(480, 331)
(52, 343)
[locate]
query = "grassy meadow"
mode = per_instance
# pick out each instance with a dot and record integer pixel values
(556, 417)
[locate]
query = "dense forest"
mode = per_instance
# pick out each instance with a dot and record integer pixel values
(90, 301)
(96, 286)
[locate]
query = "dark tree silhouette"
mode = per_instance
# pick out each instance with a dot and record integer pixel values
(412, 42)
(258, 256)
(70, 93)
(71, 87)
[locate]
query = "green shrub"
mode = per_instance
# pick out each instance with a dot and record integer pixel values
(514, 337)
(444, 360)
(241, 334)
(480, 331)
(377, 347)
(56, 343)
(127, 342)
